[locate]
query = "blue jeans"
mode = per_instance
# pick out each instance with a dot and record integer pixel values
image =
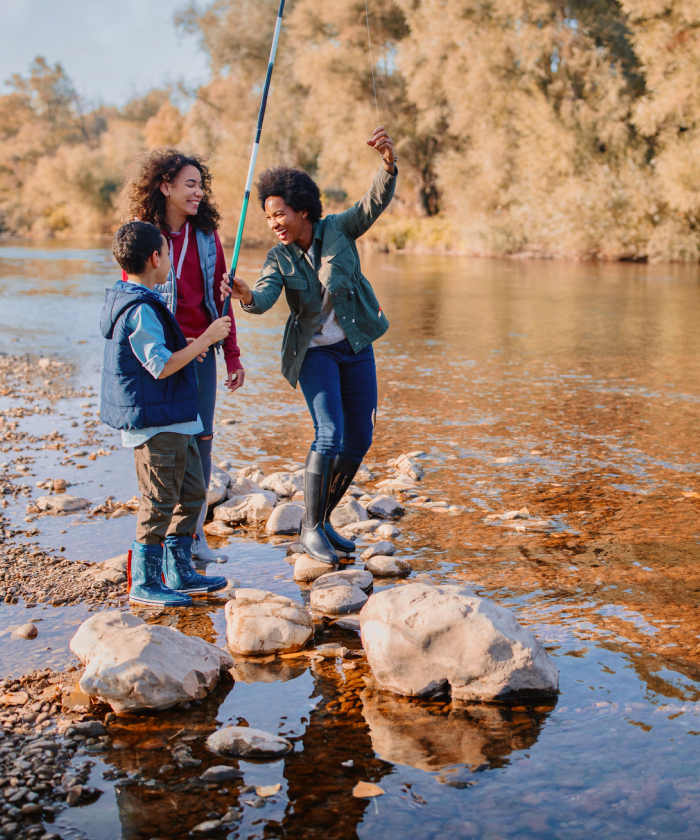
(340, 388)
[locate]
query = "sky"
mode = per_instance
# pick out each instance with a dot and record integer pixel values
(110, 49)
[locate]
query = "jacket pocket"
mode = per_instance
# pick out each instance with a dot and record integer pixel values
(296, 290)
(338, 264)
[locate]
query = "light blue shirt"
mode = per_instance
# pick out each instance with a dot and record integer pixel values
(148, 343)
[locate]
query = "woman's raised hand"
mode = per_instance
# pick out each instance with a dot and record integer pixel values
(240, 290)
(383, 144)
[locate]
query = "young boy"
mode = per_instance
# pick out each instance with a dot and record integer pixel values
(149, 392)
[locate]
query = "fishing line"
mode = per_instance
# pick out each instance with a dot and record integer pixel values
(374, 84)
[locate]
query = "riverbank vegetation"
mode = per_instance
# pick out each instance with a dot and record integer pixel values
(524, 127)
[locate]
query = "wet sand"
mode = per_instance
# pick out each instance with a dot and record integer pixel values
(571, 390)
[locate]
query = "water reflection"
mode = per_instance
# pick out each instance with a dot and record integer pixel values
(432, 736)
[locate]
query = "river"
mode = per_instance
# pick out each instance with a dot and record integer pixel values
(571, 389)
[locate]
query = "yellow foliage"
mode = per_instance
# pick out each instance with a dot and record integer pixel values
(522, 126)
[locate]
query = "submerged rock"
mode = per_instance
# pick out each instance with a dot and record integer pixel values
(259, 622)
(221, 773)
(419, 637)
(383, 566)
(133, 665)
(285, 519)
(246, 742)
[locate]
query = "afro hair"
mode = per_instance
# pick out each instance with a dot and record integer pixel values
(295, 187)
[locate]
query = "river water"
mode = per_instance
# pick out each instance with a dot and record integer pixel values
(570, 389)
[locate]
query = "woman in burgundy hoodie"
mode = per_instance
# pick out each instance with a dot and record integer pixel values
(173, 191)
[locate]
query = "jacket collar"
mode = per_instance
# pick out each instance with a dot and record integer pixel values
(317, 233)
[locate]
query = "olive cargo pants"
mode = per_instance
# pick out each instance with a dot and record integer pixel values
(169, 473)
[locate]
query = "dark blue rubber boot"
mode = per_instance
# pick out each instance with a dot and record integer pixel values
(144, 571)
(179, 573)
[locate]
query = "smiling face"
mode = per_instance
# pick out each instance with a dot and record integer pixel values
(287, 224)
(184, 192)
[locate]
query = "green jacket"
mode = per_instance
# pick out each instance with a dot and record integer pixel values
(354, 302)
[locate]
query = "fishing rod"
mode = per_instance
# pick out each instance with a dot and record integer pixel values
(254, 155)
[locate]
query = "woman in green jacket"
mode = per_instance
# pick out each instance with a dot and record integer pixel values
(335, 317)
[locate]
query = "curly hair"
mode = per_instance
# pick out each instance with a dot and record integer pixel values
(295, 187)
(143, 199)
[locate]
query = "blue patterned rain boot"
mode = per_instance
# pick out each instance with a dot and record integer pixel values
(144, 571)
(179, 574)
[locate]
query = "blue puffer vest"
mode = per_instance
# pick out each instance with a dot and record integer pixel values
(130, 397)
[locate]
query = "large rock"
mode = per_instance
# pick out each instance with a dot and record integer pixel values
(285, 519)
(246, 742)
(62, 503)
(253, 509)
(383, 548)
(355, 577)
(337, 598)
(348, 514)
(307, 570)
(383, 566)
(385, 507)
(260, 622)
(405, 732)
(218, 486)
(283, 483)
(133, 665)
(419, 637)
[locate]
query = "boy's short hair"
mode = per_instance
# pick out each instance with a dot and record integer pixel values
(134, 243)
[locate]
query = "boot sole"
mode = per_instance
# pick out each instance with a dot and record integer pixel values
(157, 603)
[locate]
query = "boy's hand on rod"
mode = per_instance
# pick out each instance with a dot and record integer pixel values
(217, 330)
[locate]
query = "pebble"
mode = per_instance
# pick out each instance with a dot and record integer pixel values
(247, 742)
(220, 773)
